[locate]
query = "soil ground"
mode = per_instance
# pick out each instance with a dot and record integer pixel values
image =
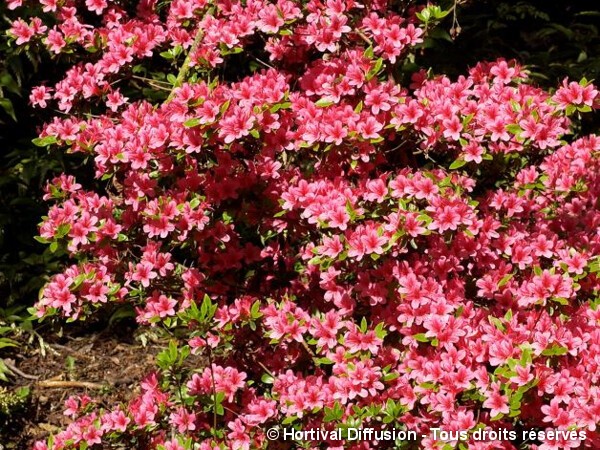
(107, 365)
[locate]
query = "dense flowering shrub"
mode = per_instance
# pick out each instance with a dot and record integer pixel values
(331, 247)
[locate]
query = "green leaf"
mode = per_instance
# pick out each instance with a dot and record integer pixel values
(171, 79)
(8, 108)
(173, 350)
(62, 230)
(391, 376)
(205, 307)
(255, 310)
(363, 325)
(289, 420)
(7, 81)
(123, 312)
(376, 68)
(440, 33)
(514, 129)
(555, 350)
(267, 379)
(497, 417)
(526, 357)
(350, 210)
(588, 13)
(420, 337)
(323, 103)
(225, 106)
(191, 122)
(496, 322)
(194, 203)
(424, 15)
(278, 106)
(7, 342)
(505, 279)
(45, 141)
(323, 361)
(457, 164)
(332, 414)
(438, 13)
(380, 331)
(3, 371)
(424, 218)
(315, 261)
(560, 300)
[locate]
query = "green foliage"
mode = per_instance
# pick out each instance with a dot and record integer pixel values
(14, 324)
(12, 401)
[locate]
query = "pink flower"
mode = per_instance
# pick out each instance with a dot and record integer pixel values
(183, 420)
(144, 273)
(55, 41)
(496, 402)
(572, 93)
(161, 305)
(260, 411)
(235, 125)
(39, 95)
(14, 4)
(96, 6)
(172, 444)
(22, 31)
(473, 152)
(115, 99)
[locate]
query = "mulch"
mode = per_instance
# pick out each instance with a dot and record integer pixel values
(107, 365)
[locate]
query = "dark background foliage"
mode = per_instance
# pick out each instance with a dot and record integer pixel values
(555, 39)
(24, 169)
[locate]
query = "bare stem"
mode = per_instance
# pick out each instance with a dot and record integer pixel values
(69, 384)
(185, 67)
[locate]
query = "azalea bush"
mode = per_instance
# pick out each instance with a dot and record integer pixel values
(332, 242)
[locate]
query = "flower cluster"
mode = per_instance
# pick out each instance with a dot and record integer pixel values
(338, 248)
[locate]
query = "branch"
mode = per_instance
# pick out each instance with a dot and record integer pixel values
(15, 371)
(69, 384)
(185, 67)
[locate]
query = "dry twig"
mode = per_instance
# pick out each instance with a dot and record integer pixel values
(69, 384)
(16, 371)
